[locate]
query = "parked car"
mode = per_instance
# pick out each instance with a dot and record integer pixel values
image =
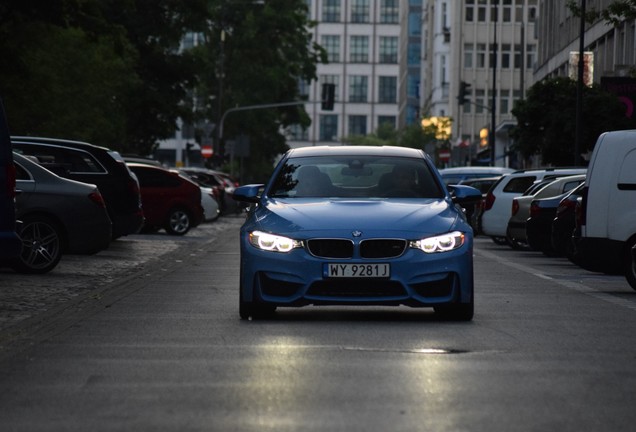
(221, 182)
(539, 226)
(474, 211)
(520, 211)
(356, 225)
(606, 231)
(456, 175)
(498, 205)
(564, 223)
(209, 199)
(170, 201)
(58, 216)
(91, 164)
(10, 244)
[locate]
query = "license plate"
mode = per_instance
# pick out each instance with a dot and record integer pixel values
(378, 270)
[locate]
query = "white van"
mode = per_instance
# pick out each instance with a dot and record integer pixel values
(607, 218)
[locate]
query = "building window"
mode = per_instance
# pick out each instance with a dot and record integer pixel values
(505, 56)
(359, 49)
(480, 101)
(482, 10)
(297, 133)
(504, 101)
(389, 11)
(332, 79)
(358, 88)
(386, 120)
(469, 11)
(329, 127)
(360, 11)
(481, 55)
(357, 125)
(518, 56)
(388, 49)
(415, 24)
(331, 43)
(531, 55)
(506, 11)
(468, 55)
(303, 88)
(331, 11)
(413, 86)
(387, 92)
(414, 50)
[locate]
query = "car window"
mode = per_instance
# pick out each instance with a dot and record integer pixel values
(57, 158)
(21, 173)
(354, 176)
(155, 178)
(519, 184)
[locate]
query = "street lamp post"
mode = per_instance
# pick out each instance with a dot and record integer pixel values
(493, 110)
(579, 89)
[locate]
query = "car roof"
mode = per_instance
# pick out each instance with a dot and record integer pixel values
(57, 141)
(354, 151)
(475, 169)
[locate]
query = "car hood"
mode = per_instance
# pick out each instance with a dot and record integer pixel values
(338, 217)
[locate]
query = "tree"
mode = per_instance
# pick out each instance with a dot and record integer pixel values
(615, 13)
(546, 120)
(59, 80)
(258, 53)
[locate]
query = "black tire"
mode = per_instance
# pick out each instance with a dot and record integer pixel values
(253, 310)
(42, 244)
(630, 263)
(179, 222)
(456, 312)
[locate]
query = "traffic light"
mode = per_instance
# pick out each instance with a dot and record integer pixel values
(464, 93)
(328, 96)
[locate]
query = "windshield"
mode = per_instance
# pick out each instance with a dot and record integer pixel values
(356, 177)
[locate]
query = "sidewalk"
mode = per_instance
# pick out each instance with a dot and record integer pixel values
(28, 302)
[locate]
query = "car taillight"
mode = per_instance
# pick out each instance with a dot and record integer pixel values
(515, 207)
(565, 205)
(490, 200)
(11, 181)
(534, 209)
(97, 198)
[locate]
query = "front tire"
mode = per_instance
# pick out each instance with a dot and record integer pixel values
(42, 241)
(179, 222)
(457, 312)
(630, 263)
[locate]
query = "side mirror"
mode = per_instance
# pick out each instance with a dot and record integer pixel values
(248, 193)
(464, 195)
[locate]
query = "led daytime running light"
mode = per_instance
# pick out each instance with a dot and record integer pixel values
(441, 243)
(271, 242)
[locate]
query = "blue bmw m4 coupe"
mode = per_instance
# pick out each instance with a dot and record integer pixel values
(356, 225)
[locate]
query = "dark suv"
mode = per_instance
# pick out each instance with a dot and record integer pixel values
(10, 244)
(92, 164)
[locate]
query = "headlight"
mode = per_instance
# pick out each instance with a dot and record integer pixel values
(441, 243)
(272, 242)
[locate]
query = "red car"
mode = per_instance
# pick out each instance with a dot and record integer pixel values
(169, 201)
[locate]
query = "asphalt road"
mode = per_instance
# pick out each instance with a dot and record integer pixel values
(157, 345)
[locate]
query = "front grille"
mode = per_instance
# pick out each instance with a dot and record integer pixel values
(356, 288)
(382, 248)
(331, 248)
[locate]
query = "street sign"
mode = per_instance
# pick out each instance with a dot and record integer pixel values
(206, 151)
(444, 156)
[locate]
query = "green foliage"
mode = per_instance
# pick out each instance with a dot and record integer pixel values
(615, 13)
(112, 72)
(547, 120)
(413, 136)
